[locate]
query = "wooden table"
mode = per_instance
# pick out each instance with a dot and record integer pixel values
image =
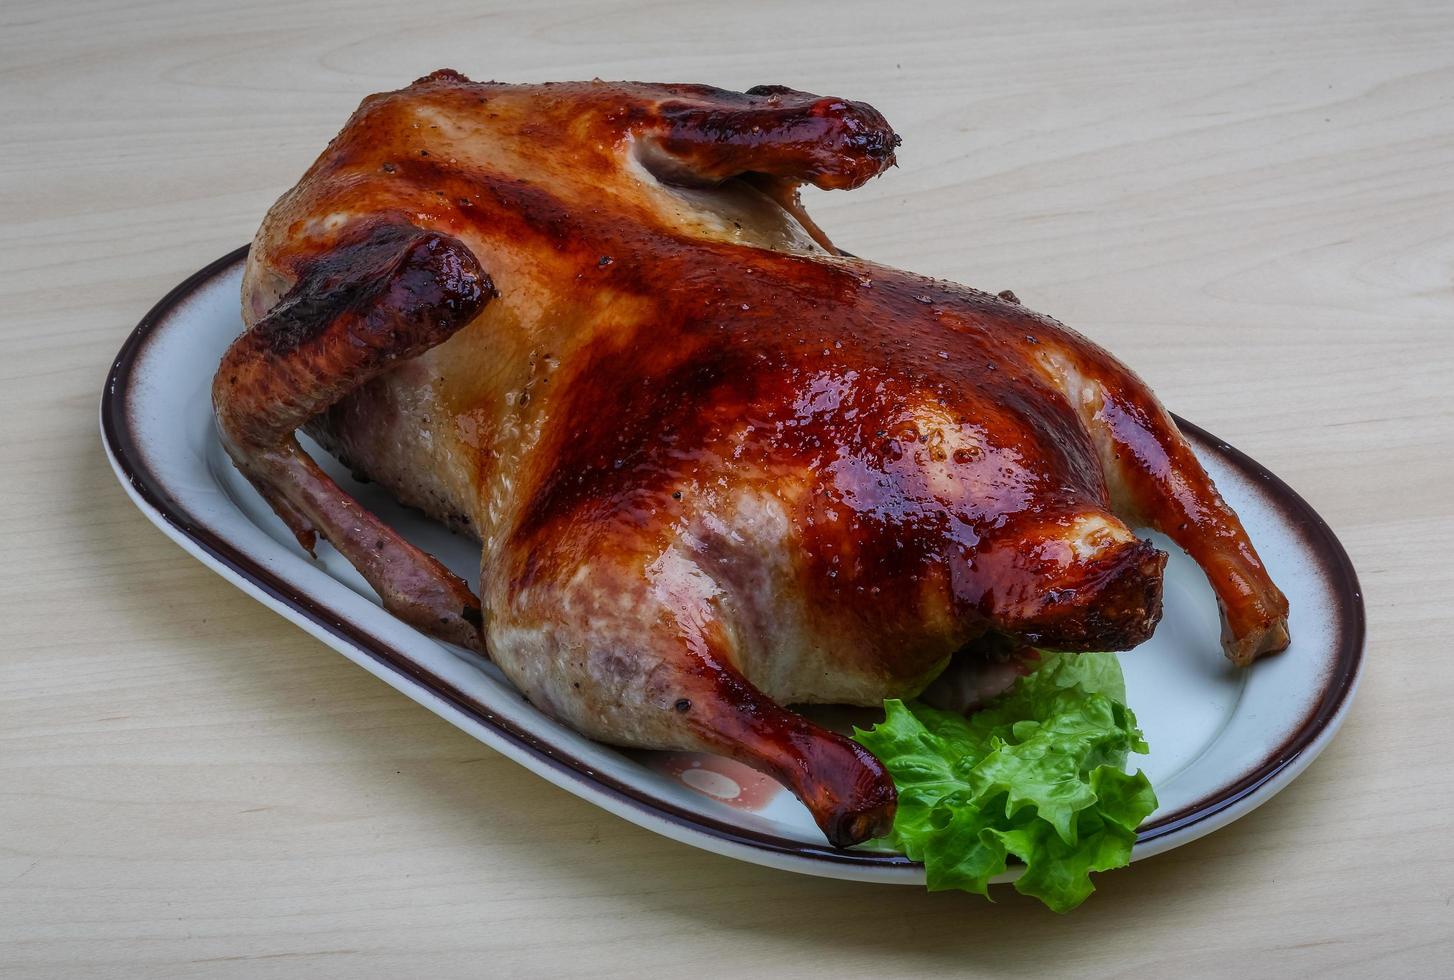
(1254, 206)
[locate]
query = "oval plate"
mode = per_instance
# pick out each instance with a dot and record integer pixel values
(1222, 740)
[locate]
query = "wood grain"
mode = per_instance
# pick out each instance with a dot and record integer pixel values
(1251, 203)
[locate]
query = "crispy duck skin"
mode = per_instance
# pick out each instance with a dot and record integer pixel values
(717, 467)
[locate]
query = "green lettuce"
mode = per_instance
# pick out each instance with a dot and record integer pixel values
(1038, 774)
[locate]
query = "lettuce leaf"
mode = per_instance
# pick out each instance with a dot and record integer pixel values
(1037, 774)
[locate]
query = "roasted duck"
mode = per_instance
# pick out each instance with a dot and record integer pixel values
(716, 465)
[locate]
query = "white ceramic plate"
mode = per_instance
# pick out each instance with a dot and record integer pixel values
(1222, 740)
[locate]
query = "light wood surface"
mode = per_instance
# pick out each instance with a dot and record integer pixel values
(1252, 204)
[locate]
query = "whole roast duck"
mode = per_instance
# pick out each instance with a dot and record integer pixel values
(717, 466)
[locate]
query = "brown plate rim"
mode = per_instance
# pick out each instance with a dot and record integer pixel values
(1332, 563)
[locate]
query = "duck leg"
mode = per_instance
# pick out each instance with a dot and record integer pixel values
(1155, 480)
(649, 659)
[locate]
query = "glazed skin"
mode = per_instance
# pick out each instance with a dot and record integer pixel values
(716, 466)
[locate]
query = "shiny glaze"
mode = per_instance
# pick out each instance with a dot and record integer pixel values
(714, 464)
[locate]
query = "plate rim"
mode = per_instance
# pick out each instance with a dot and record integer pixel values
(1255, 785)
